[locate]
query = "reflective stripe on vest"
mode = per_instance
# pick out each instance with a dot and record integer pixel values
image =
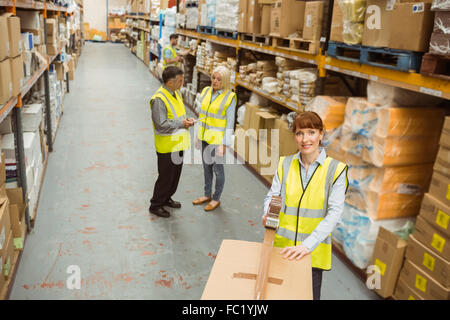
(213, 123)
(173, 55)
(302, 209)
(180, 139)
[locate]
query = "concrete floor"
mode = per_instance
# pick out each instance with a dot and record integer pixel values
(93, 210)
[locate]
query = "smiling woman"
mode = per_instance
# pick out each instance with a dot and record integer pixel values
(313, 188)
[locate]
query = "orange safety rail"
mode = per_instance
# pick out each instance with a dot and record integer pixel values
(19, 101)
(45, 10)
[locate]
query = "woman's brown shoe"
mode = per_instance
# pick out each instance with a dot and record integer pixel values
(211, 207)
(200, 201)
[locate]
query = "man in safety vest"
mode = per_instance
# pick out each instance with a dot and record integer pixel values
(171, 139)
(170, 55)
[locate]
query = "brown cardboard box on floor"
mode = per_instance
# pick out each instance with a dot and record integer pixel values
(243, 13)
(432, 238)
(445, 135)
(6, 89)
(440, 187)
(254, 17)
(442, 163)
(2, 170)
(8, 256)
(312, 25)
(287, 17)
(436, 213)
(4, 38)
(405, 292)
(425, 285)
(377, 23)
(431, 263)
(388, 256)
(16, 211)
(265, 19)
(264, 121)
(337, 24)
(250, 110)
(17, 75)
(15, 44)
(234, 272)
(411, 26)
(5, 224)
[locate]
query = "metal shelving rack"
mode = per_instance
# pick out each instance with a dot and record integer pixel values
(13, 107)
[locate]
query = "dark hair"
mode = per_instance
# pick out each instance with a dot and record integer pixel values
(306, 120)
(171, 72)
(172, 36)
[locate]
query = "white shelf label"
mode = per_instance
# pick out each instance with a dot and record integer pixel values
(373, 78)
(292, 105)
(432, 92)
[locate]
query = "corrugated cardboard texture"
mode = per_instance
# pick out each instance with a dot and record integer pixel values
(287, 18)
(442, 163)
(265, 19)
(388, 256)
(431, 238)
(440, 187)
(4, 39)
(374, 36)
(312, 24)
(428, 261)
(337, 24)
(404, 292)
(5, 81)
(254, 17)
(232, 276)
(436, 213)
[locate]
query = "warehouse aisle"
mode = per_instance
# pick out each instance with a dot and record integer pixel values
(93, 211)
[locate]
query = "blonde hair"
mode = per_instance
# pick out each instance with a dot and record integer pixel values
(225, 75)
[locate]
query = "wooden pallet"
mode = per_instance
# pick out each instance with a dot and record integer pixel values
(398, 60)
(227, 34)
(206, 30)
(436, 66)
(296, 44)
(256, 39)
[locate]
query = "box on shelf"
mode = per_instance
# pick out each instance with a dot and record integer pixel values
(6, 86)
(377, 23)
(432, 238)
(287, 17)
(17, 74)
(29, 19)
(4, 38)
(411, 26)
(405, 292)
(312, 27)
(31, 117)
(337, 25)
(243, 13)
(442, 163)
(15, 45)
(436, 213)
(431, 263)
(388, 256)
(425, 285)
(287, 142)
(254, 17)
(445, 136)
(5, 224)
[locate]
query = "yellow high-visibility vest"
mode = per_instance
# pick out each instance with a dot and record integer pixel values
(176, 141)
(173, 55)
(302, 209)
(213, 116)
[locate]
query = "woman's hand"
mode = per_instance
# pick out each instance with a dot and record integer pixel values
(296, 252)
(220, 150)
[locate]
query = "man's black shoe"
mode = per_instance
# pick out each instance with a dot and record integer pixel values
(160, 212)
(173, 204)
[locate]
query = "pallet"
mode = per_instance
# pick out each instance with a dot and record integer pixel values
(398, 60)
(227, 34)
(206, 30)
(296, 44)
(436, 66)
(256, 39)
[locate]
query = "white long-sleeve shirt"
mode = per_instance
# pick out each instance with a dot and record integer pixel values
(335, 201)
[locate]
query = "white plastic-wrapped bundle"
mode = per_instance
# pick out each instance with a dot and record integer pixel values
(257, 100)
(165, 35)
(271, 85)
(191, 17)
(227, 15)
(211, 13)
(443, 5)
(181, 20)
(241, 115)
(170, 17)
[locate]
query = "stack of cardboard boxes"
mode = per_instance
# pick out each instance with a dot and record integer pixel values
(425, 274)
(11, 61)
(285, 18)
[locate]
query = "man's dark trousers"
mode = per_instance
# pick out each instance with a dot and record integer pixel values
(168, 177)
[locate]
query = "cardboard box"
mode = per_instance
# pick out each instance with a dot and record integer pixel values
(15, 45)
(6, 87)
(377, 23)
(428, 261)
(404, 292)
(234, 272)
(59, 70)
(312, 26)
(264, 121)
(52, 49)
(445, 135)
(268, 158)
(440, 187)
(254, 17)
(425, 285)
(241, 143)
(2, 171)
(250, 109)
(4, 38)
(242, 11)
(436, 213)
(411, 26)
(5, 224)
(29, 19)
(432, 238)
(388, 256)
(52, 25)
(287, 17)
(265, 19)
(287, 142)
(337, 24)
(17, 215)
(442, 163)
(17, 75)
(8, 257)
